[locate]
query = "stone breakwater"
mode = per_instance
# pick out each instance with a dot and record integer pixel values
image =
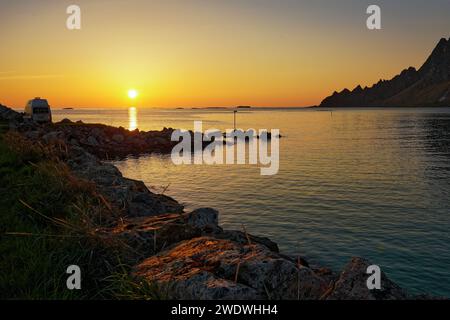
(105, 142)
(187, 255)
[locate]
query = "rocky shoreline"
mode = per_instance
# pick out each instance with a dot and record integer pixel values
(187, 255)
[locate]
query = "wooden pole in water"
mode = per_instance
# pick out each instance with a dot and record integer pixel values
(234, 113)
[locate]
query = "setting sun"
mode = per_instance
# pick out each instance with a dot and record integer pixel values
(132, 94)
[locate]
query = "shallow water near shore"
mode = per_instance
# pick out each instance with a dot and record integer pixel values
(352, 182)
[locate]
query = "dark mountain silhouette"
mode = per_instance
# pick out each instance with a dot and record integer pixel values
(428, 86)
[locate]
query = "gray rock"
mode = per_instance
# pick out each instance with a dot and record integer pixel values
(9, 114)
(243, 272)
(352, 284)
(32, 134)
(13, 125)
(53, 136)
(160, 141)
(92, 141)
(206, 219)
(74, 142)
(118, 138)
(204, 286)
(143, 202)
(80, 160)
(151, 234)
(66, 121)
(130, 196)
(97, 132)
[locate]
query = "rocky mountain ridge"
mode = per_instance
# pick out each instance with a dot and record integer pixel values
(427, 86)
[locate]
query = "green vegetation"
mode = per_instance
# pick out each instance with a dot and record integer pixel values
(49, 220)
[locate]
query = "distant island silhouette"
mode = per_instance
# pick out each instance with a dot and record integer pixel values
(426, 87)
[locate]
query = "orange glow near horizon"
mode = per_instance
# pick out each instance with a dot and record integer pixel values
(189, 54)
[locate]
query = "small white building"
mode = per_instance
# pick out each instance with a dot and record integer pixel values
(38, 110)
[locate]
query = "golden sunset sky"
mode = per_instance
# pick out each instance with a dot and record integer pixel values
(208, 52)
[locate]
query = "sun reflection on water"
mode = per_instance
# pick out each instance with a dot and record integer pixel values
(132, 119)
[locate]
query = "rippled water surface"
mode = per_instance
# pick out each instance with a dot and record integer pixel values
(372, 183)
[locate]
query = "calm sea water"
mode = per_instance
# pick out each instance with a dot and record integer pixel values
(372, 183)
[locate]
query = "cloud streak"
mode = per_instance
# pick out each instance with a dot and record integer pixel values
(27, 76)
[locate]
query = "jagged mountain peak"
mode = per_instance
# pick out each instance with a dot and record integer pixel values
(426, 86)
(437, 66)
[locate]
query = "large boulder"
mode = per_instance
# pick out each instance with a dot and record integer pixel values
(202, 285)
(140, 201)
(352, 284)
(206, 219)
(250, 271)
(149, 235)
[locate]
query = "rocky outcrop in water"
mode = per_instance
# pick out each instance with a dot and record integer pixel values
(107, 142)
(351, 285)
(428, 86)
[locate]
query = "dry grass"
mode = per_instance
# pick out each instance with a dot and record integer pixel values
(49, 220)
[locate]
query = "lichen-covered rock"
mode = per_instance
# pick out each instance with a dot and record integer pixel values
(205, 260)
(352, 284)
